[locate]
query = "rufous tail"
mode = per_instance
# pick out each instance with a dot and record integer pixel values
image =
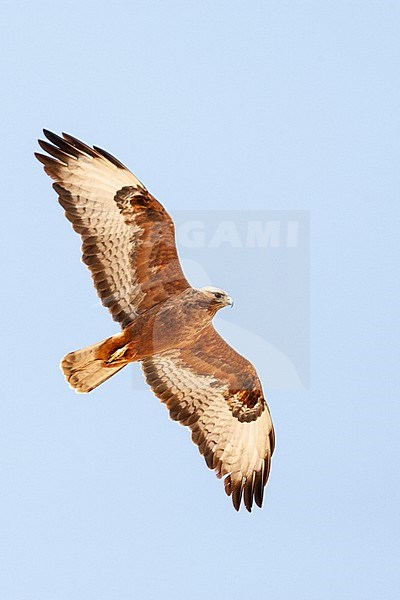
(85, 370)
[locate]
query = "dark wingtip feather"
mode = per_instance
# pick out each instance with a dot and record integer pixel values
(110, 157)
(259, 496)
(53, 151)
(60, 143)
(79, 145)
(267, 469)
(259, 487)
(249, 492)
(52, 137)
(49, 134)
(42, 158)
(51, 166)
(272, 440)
(237, 496)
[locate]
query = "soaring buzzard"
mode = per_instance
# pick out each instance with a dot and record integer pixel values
(129, 248)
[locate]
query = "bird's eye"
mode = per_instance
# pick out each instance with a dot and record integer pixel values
(218, 295)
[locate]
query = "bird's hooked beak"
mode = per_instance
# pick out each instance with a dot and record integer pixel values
(229, 301)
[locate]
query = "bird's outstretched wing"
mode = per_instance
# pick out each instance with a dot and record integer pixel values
(216, 392)
(128, 237)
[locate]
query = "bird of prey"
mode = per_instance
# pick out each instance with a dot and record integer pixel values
(129, 247)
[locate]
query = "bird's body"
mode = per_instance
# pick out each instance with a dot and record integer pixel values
(174, 324)
(129, 247)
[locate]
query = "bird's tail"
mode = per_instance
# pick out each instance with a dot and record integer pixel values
(86, 369)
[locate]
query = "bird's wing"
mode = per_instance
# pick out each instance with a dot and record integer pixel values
(216, 392)
(128, 237)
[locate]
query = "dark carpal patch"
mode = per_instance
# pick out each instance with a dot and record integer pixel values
(246, 405)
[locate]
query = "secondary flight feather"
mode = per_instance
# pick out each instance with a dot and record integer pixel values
(128, 244)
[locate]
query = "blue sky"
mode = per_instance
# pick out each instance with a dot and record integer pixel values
(216, 106)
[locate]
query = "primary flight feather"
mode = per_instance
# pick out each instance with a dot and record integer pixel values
(129, 247)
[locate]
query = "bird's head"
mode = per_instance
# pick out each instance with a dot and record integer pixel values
(215, 297)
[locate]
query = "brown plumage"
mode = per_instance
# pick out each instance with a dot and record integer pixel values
(129, 247)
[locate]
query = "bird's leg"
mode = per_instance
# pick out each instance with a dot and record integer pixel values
(116, 356)
(113, 351)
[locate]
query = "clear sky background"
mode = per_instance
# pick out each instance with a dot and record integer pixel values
(286, 106)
